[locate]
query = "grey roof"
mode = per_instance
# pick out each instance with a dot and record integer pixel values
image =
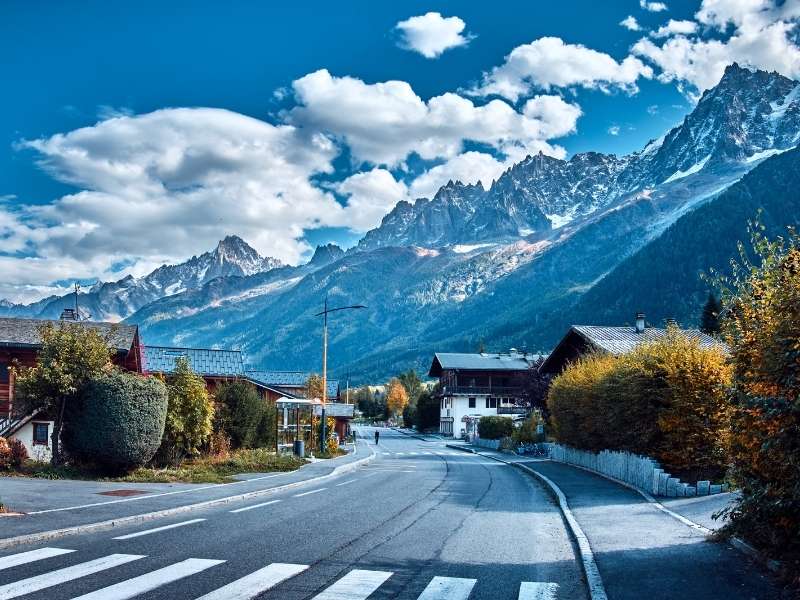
(621, 340)
(25, 332)
(289, 379)
(208, 362)
(335, 409)
(484, 361)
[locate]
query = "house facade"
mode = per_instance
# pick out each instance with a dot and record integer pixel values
(20, 342)
(472, 386)
(581, 340)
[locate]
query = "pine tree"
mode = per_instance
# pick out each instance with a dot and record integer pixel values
(709, 320)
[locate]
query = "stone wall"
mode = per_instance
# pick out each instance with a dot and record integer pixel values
(639, 471)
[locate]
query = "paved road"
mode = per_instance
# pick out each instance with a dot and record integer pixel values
(420, 521)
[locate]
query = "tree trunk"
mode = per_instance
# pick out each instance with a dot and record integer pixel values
(55, 440)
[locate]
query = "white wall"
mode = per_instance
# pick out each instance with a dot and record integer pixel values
(458, 407)
(35, 452)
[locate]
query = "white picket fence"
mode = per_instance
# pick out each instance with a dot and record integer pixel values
(639, 471)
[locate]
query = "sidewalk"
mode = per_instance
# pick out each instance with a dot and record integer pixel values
(642, 552)
(68, 503)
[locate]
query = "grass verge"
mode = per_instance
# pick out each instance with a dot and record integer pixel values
(205, 469)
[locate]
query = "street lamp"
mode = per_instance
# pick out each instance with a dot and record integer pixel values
(324, 314)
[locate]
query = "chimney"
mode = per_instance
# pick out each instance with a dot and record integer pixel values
(672, 323)
(640, 322)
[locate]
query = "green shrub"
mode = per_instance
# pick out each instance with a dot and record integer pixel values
(763, 331)
(238, 412)
(494, 428)
(5, 454)
(118, 421)
(190, 414)
(427, 413)
(527, 432)
(666, 399)
(19, 453)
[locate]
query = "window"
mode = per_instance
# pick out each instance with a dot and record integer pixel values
(487, 401)
(3, 372)
(491, 403)
(472, 402)
(40, 434)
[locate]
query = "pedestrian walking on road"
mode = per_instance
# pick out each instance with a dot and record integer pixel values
(377, 437)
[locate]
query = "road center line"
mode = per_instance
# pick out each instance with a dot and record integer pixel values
(309, 493)
(346, 482)
(157, 529)
(238, 510)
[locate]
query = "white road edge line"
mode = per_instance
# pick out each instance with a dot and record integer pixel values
(157, 529)
(124, 590)
(33, 538)
(246, 508)
(309, 493)
(23, 558)
(349, 481)
(448, 588)
(41, 582)
(594, 581)
(253, 584)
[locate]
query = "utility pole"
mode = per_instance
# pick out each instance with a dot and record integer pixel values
(77, 314)
(324, 315)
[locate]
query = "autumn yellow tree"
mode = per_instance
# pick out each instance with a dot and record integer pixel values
(314, 386)
(396, 397)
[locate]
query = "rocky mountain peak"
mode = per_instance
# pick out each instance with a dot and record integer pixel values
(326, 254)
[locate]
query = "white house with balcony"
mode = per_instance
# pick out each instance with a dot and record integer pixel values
(477, 385)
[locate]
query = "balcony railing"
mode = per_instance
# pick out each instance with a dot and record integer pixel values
(477, 390)
(512, 410)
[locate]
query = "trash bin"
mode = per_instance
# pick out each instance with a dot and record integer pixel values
(299, 448)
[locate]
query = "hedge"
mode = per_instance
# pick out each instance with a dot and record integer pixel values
(118, 421)
(494, 428)
(667, 399)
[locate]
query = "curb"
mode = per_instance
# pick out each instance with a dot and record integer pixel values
(738, 543)
(593, 579)
(91, 527)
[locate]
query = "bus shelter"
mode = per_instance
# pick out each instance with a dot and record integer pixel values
(295, 422)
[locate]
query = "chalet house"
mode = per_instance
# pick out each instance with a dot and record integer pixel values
(214, 366)
(477, 385)
(20, 343)
(292, 383)
(584, 339)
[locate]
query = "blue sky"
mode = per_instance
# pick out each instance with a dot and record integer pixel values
(138, 133)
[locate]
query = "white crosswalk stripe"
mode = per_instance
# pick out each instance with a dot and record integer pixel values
(448, 588)
(252, 585)
(358, 584)
(149, 581)
(23, 558)
(41, 582)
(536, 590)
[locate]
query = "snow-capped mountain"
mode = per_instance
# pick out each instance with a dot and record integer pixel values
(746, 118)
(112, 301)
(506, 264)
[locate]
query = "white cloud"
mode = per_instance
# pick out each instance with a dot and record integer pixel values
(469, 167)
(652, 6)
(165, 185)
(370, 195)
(652, 109)
(614, 130)
(674, 27)
(549, 62)
(431, 34)
(383, 123)
(631, 23)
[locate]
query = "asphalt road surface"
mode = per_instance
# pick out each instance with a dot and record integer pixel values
(420, 521)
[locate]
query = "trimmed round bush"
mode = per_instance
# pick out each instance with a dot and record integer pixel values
(118, 421)
(494, 428)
